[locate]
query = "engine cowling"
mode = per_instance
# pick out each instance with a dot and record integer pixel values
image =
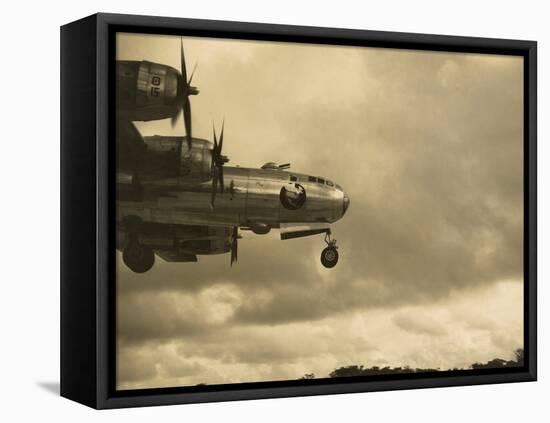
(171, 157)
(146, 90)
(196, 162)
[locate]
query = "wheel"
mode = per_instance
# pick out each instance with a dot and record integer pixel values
(138, 258)
(329, 257)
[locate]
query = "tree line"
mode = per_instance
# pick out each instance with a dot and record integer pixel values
(354, 370)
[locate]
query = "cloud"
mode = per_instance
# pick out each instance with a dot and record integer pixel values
(166, 314)
(429, 148)
(441, 335)
(419, 324)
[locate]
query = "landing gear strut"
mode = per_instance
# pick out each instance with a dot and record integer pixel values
(329, 256)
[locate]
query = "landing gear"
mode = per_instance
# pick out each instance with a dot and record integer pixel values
(139, 258)
(329, 256)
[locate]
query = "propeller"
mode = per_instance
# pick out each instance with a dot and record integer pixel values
(185, 89)
(234, 244)
(218, 160)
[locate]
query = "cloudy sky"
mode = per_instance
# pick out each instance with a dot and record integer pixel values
(427, 145)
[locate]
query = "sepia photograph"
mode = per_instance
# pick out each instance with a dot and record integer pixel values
(297, 211)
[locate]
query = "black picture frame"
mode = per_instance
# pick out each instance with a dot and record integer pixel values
(87, 210)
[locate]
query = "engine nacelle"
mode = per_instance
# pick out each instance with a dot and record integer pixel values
(203, 239)
(170, 157)
(146, 90)
(196, 163)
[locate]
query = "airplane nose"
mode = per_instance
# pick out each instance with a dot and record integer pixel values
(345, 204)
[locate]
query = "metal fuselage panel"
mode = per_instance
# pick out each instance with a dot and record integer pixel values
(251, 196)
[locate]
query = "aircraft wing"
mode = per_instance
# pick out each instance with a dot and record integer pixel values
(172, 256)
(175, 243)
(299, 230)
(130, 143)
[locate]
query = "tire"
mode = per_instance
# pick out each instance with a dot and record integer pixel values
(138, 258)
(329, 257)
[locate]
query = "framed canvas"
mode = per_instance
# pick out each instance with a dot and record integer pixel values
(208, 169)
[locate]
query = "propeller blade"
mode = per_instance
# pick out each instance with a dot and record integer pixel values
(221, 139)
(185, 91)
(234, 244)
(214, 188)
(187, 120)
(236, 249)
(192, 73)
(214, 168)
(220, 177)
(183, 69)
(214, 136)
(217, 162)
(174, 118)
(214, 148)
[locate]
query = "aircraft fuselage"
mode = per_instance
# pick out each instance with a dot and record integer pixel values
(250, 196)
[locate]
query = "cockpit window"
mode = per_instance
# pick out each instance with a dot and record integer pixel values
(330, 183)
(321, 180)
(312, 179)
(293, 178)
